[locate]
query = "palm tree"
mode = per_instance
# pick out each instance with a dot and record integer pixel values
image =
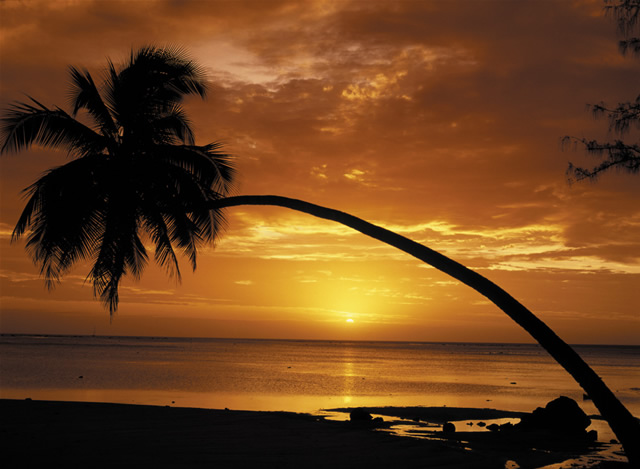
(138, 171)
(132, 174)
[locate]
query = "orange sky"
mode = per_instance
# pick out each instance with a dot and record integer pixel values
(439, 120)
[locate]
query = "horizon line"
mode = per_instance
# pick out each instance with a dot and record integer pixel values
(115, 336)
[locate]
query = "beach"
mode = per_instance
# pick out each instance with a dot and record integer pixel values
(81, 401)
(81, 434)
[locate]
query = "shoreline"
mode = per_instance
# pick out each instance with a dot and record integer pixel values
(85, 434)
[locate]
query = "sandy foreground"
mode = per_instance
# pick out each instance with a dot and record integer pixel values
(77, 434)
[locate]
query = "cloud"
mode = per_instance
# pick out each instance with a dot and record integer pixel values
(244, 282)
(437, 120)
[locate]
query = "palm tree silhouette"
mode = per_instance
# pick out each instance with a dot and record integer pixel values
(138, 171)
(133, 173)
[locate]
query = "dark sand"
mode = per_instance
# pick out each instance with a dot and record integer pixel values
(74, 434)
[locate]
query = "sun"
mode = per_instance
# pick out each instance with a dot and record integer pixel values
(349, 320)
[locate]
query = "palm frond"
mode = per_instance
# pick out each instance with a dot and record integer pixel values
(154, 80)
(85, 95)
(120, 252)
(155, 225)
(182, 199)
(224, 166)
(209, 165)
(64, 213)
(26, 124)
(175, 204)
(111, 92)
(185, 234)
(170, 72)
(173, 127)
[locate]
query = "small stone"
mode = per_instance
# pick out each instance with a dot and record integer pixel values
(448, 427)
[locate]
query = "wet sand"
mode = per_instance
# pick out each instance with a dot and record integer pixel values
(77, 434)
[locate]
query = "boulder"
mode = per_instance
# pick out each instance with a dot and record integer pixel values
(560, 416)
(360, 415)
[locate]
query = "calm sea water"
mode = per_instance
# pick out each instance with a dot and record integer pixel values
(302, 376)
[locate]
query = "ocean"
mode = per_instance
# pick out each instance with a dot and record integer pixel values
(309, 376)
(302, 376)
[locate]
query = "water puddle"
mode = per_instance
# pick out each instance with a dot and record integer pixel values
(609, 452)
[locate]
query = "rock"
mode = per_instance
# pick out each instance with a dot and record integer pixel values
(482, 424)
(362, 418)
(560, 416)
(448, 427)
(560, 424)
(360, 415)
(494, 427)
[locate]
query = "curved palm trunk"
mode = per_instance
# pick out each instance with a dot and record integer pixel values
(624, 425)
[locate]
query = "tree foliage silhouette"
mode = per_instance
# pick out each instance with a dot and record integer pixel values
(138, 171)
(624, 118)
(131, 174)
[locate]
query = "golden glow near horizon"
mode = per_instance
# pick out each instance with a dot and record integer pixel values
(437, 120)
